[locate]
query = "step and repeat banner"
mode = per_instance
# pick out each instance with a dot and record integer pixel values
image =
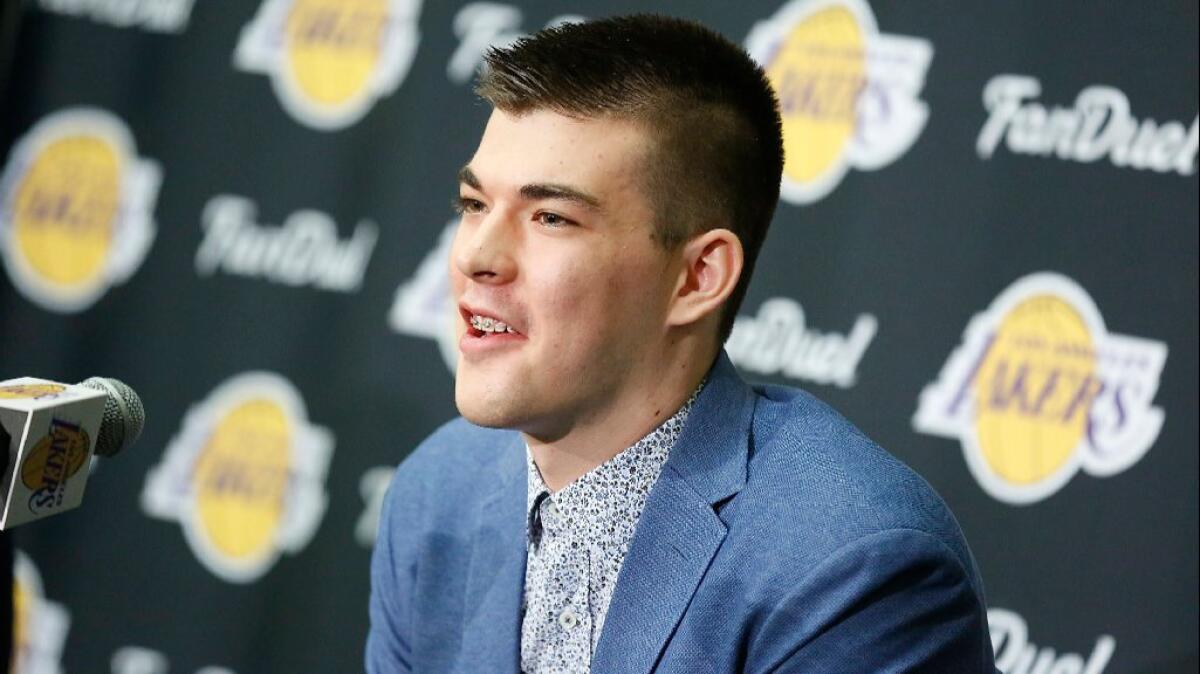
(985, 255)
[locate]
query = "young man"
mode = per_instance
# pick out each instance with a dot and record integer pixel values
(616, 499)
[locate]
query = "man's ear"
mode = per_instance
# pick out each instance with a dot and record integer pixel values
(712, 265)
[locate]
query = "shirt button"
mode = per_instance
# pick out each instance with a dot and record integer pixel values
(568, 619)
(551, 508)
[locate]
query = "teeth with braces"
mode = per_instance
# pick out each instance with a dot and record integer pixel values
(487, 324)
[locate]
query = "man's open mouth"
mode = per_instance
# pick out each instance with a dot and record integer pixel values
(482, 325)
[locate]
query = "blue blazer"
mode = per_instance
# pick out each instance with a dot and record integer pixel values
(778, 538)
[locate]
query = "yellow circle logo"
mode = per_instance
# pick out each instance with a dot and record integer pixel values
(75, 213)
(333, 47)
(64, 210)
(23, 391)
(56, 457)
(245, 476)
(818, 73)
(1030, 392)
(330, 60)
(39, 626)
(1039, 389)
(241, 480)
(22, 606)
(848, 94)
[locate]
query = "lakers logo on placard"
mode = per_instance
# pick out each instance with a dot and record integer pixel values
(52, 462)
(1039, 389)
(330, 60)
(76, 208)
(847, 93)
(39, 625)
(245, 476)
(31, 391)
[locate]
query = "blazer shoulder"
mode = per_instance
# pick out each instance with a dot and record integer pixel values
(806, 453)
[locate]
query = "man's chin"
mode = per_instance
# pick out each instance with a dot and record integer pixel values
(483, 410)
(485, 420)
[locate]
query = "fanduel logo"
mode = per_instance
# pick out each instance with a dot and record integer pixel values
(778, 341)
(139, 660)
(304, 251)
(1015, 654)
(1099, 125)
(373, 487)
(483, 25)
(155, 16)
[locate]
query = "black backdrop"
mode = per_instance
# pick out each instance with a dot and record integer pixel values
(987, 258)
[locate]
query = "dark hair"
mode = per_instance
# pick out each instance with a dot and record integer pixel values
(719, 153)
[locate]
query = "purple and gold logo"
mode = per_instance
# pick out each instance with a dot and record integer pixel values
(39, 625)
(848, 94)
(330, 60)
(245, 476)
(31, 391)
(1039, 389)
(52, 462)
(76, 208)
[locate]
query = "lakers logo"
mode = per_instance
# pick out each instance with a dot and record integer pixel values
(245, 476)
(31, 391)
(423, 306)
(1039, 389)
(329, 60)
(847, 93)
(75, 209)
(52, 462)
(39, 625)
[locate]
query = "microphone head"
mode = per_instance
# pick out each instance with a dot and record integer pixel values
(124, 415)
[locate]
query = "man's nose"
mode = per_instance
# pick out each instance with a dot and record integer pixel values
(484, 248)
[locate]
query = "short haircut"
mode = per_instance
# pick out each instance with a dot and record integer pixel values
(719, 153)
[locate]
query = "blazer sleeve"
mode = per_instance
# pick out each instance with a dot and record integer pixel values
(894, 601)
(393, 570)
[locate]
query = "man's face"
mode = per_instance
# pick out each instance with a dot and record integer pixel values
(555, 243)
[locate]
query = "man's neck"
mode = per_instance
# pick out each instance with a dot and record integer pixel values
(628, 419)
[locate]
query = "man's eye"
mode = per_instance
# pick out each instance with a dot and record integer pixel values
(467, 206)
(552, 219)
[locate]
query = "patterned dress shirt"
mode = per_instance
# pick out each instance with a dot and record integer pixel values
(577, 541)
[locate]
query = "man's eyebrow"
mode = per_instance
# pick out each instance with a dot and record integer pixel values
(537, 191)
(468, 178)
(553, 191)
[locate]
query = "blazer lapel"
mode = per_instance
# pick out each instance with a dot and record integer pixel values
(679, 531)
(491, 635)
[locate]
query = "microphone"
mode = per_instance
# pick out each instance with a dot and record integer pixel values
(123, 418)
(51, 430)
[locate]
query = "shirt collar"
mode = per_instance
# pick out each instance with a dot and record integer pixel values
(616, 489)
